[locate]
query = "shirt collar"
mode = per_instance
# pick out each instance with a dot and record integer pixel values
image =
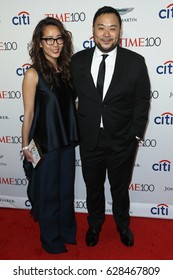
(98, 52)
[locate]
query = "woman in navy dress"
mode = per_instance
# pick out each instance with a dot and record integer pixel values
(49, 119)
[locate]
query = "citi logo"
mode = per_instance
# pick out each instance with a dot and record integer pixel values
(166, 68)
(162, 165)
(166, 13)
(160, 210)
(165, 119)
(21, 19)
(21, 118)
(28, 203)
(22, 70)
(89, 43)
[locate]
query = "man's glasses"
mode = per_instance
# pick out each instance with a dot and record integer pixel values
(51, 41)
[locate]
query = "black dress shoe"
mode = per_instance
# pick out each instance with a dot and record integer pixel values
(126, 236)
(92, 236)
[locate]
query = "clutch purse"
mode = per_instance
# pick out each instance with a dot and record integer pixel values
(36, 152)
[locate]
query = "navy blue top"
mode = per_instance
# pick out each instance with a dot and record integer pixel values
(54, 123)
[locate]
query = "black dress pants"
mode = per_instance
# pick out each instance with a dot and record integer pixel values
(118, 166)
(51, 191)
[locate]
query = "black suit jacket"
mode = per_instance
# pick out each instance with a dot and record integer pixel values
(125, 107)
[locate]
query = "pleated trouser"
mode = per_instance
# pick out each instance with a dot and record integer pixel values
(51, 191)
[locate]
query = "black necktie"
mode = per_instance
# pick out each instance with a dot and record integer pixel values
(101, 75)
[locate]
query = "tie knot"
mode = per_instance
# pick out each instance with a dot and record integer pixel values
(104, 56)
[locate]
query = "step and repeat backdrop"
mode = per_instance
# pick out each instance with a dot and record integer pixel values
(147, 29)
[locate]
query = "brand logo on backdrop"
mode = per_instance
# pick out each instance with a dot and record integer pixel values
(68, 17)
(8, 46)
(154, 94)
(13, 181)
(11, 94)
(10, 139)
(89, 43)
(124, 11)
(168, 189)
(166, 13)
(163, 165)
(149, 143)
(23, 18)
(78, 163)
(140, 42)
(80, 204)
(108, 207)
(129, 42)
(4, 118)
(142, 187)
(166, 68)
(22, 70)
(165, 119)
(3, 199)
(28, 203)
(21, 118)
(160, 210)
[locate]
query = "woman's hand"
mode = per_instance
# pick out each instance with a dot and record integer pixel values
(28, 155)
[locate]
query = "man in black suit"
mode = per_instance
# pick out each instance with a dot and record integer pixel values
(111, 125)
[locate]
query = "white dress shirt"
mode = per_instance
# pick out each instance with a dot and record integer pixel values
(110, 65)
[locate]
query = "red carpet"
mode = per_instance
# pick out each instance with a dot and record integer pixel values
(19, 239)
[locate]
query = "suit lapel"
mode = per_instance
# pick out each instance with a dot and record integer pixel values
(85, 75)
(116, 75)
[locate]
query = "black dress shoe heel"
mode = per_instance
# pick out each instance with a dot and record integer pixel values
(92, 236)
(126, 236)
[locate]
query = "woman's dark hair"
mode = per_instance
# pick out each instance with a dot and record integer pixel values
(37, 55)
(107, 10)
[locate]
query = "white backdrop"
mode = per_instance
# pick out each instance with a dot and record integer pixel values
(147, 29)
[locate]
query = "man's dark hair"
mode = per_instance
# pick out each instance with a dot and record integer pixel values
(107, 10)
